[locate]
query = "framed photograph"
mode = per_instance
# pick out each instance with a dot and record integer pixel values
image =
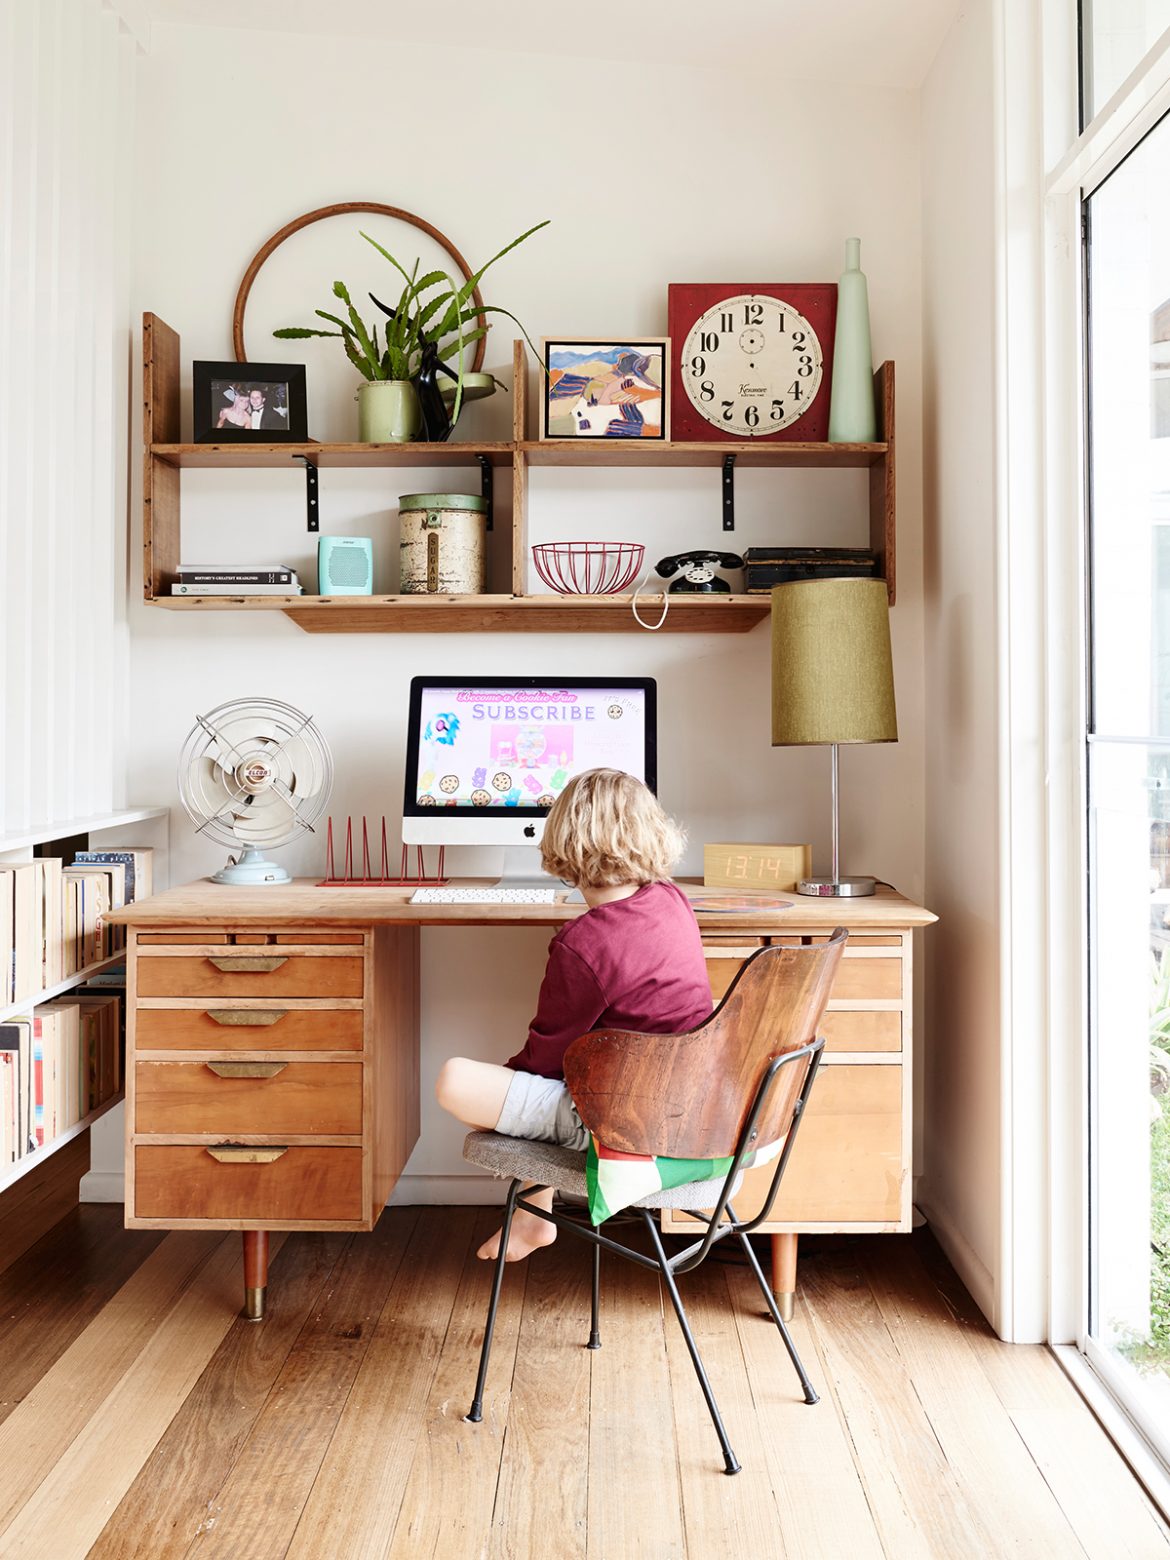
(594, 389)
(259, 402)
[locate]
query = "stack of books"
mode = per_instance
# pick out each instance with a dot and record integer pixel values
(52, 915)
(57, 1064)
(247, 579)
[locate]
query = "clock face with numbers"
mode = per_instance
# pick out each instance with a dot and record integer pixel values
(752, 362)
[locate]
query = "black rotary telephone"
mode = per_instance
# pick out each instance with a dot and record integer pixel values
(698, 577)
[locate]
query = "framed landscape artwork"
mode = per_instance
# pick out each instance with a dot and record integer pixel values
(605, 389)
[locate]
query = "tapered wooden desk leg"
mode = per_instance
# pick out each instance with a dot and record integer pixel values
(784, 1273)
(255, 1273)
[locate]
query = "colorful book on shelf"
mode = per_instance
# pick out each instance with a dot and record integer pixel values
(7, 944)
(243, 574)
(27, 909)
(87, 903)
(181, 589)
(14, 1089)
(138, 861)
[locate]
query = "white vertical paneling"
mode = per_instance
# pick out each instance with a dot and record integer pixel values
(65, 165)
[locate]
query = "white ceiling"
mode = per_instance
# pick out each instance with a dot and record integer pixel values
(889, 43)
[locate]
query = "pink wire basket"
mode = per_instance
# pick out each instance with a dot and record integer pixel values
(588, 568)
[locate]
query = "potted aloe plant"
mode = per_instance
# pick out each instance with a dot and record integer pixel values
(430, 328)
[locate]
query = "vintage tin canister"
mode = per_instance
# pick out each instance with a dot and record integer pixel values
(443, 541)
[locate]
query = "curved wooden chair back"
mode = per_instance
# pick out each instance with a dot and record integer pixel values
(688, 1096)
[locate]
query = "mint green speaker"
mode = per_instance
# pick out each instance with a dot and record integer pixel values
(345, 566)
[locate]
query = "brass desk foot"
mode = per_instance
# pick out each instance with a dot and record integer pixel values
(255, 1273)
(784, 1273)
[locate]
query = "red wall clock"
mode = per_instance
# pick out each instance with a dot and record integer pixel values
(752, 360)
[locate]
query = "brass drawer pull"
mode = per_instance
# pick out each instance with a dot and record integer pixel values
(246, 1153)
(246, 1069)
(249, 1017)
(246, 964)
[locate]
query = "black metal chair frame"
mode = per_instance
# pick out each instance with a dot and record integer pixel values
(683, 1261)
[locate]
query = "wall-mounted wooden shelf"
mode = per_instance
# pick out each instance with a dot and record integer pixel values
(518, 610)
(487, 614)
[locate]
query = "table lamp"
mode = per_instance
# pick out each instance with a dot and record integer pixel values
(832, 682)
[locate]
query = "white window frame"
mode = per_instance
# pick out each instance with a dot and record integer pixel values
(1042, 360)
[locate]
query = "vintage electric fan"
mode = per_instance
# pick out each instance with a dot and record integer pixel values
(254, 773)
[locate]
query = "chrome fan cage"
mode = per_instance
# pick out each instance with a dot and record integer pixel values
(254, 774)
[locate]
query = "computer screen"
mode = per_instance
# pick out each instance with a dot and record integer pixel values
(487, 757)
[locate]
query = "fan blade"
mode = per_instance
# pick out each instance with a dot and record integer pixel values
(216, 783)
(268, 817)
(301, 769)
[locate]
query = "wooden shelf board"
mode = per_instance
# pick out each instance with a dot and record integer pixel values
(528, 614)
(10, 1174)
(78, 978)
(650, 452)
(734, 614)
(219, 456)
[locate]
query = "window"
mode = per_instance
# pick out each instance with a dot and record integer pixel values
(1127, 232)
(1115, 35)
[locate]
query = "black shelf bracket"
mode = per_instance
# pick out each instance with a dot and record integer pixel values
(729, 492)
(312, 506)
(487, 484)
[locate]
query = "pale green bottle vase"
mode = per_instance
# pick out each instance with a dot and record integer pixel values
(852, 417)
(388, 412)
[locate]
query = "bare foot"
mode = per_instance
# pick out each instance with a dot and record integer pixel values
(527, 1233)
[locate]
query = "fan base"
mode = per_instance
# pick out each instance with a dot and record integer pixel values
(251, 871)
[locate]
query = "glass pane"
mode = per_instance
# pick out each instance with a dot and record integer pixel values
(1129, 382)
(1129, 780)
(1115, 36)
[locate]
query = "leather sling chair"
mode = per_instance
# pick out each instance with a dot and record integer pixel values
(738, 1082)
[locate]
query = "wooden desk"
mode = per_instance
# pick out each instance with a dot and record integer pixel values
(272, 1077)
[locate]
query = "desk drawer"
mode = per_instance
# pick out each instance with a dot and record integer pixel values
(877, 979)
(847, 1166)
(249, 973)
(845, 1031)
(228, 1028)
(296, 1098)
(308, 1184)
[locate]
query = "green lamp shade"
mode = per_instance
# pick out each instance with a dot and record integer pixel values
(832, 673)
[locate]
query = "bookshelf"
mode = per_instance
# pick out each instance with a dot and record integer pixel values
(11, 1174)
(515, 610)
(16, 846)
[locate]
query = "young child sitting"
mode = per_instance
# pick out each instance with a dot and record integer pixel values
(633, 961)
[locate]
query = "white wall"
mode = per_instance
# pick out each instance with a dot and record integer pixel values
(960, 1188)
(66, 95)
(714, 175)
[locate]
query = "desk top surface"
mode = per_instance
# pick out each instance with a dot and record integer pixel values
(305, 903)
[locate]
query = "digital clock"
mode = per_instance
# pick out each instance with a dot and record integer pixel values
(756, 866)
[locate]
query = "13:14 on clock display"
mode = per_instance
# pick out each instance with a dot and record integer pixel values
(752, 365)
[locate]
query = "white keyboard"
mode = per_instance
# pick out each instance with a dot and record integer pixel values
(483, 896)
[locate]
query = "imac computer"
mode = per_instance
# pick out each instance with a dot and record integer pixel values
(486, 757)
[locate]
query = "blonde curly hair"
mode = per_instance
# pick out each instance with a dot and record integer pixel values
(605, 829)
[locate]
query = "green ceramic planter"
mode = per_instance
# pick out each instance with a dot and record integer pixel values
(388, 412)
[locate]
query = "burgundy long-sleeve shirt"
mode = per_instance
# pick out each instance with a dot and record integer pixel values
(634, 964)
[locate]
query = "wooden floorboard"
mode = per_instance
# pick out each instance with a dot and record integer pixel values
(31, 1206)
(542, 1500)
(50, 1296)
(176, 1488)
(146, 1420)
(358, 1490)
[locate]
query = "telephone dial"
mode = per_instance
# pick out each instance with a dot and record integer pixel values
(698, 577)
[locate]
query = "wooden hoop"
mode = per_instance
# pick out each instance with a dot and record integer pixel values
(340, 209)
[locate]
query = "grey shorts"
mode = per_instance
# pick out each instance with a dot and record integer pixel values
(542, 1109)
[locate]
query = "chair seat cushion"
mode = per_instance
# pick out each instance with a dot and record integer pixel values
(564, 1169)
